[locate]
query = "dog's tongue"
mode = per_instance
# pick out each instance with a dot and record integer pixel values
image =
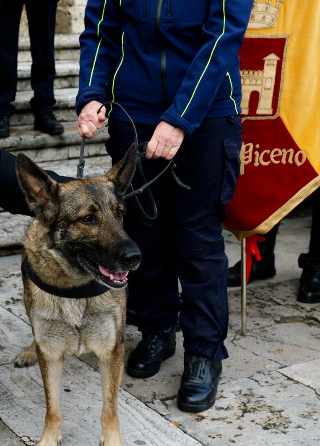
(117, 276)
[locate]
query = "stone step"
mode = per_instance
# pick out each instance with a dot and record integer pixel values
(12, 227)
(42, 147)
(63, 68)
(67, 74)
(64, 108)
(59, 82)
(66, 49)
(59, 54)
(65, 99)
(27, 118)
(61, 42)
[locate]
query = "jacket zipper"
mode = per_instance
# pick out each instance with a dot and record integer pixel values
(163, 60)
(169, 8)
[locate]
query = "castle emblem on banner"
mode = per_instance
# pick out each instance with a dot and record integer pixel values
(264, 14)
(261, 81)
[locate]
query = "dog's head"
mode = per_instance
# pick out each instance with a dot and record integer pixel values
(83, 219)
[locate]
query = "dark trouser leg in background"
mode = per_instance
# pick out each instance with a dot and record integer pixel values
(263, 269)
(42, 18)
(10, 13)
(309, 290)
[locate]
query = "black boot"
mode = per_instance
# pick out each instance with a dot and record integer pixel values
(261, 270)
(309, 289)
(47, 123)
(199, 383)
(155, 347)
(4, 126)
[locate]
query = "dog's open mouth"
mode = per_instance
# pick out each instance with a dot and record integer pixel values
(112, 279)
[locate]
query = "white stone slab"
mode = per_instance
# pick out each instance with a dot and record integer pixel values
(11, 295)
(307, 373)
(22, 405)
(7, 438)
(266, 410)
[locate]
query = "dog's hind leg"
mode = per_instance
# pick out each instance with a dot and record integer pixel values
(111, 368)
(51, 371)
(27, 357)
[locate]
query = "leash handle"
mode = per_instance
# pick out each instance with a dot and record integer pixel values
(141, 152)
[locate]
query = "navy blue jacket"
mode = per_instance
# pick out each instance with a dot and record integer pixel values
(170, 60)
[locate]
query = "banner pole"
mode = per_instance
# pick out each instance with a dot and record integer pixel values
(243, 288)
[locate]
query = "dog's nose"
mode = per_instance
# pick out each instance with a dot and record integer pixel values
(131, 257)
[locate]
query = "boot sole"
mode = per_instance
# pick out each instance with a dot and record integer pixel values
(305, 301)
(194, 408)
(139, 374)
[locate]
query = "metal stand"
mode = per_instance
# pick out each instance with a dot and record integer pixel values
(243, 288)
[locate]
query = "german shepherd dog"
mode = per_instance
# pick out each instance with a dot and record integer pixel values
(76, 238)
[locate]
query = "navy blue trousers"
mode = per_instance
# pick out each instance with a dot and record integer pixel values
(185, 242)
(41, 19)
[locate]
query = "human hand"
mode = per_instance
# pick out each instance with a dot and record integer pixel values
(165, 142)
(89, 120)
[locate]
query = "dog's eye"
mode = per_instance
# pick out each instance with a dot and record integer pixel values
(119, 214)
(87, 219)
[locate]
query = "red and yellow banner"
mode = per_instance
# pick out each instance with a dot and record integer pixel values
(280, 70)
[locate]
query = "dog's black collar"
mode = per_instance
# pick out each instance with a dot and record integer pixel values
(92, 289)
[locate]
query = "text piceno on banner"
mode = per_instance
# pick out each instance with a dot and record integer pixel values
(266, 157)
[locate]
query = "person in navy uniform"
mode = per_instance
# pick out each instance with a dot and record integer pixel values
(41, 19)
(173, 65)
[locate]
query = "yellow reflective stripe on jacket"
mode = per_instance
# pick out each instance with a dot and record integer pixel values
(231, 93)
(213, 50)
(115, 74)
(98, 31)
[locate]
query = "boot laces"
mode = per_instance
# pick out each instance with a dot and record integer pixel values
(196, 366)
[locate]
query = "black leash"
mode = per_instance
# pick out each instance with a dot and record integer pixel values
(140, 154)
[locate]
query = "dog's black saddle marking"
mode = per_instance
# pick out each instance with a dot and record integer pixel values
(92, 289)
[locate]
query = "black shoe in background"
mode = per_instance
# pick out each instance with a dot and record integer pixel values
(152, 350)
(4, 127)
(261, 270)
(199, 383)
(47, 123)
(309, 289)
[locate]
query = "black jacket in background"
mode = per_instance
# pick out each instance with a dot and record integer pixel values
(11, 196)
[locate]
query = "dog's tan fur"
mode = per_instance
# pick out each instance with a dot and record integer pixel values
(75, 326)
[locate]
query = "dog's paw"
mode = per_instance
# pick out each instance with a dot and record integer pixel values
(50, 442)
(25, 359)
(110, 442)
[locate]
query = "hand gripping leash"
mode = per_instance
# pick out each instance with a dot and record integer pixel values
(141, 151)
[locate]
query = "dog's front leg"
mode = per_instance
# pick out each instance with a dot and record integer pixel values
(111, 368)
(51, 370)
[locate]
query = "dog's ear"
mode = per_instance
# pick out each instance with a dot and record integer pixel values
(122, 173)
(40, 190)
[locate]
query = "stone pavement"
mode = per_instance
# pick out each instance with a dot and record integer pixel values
(269, 391)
